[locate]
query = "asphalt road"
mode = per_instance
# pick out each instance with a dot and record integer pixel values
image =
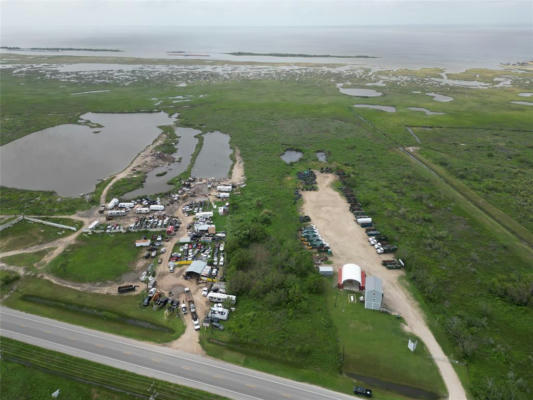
(156, 361)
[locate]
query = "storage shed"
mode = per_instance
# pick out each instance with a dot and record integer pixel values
(325, 270)
(373, 293)
(351, 277)
(195, 269)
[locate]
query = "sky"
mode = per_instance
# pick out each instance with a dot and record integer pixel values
(49, 14)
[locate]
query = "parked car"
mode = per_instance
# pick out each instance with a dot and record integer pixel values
(361, 391)
(217, 325)
(205, 291)
(146, 301)
(196, 325)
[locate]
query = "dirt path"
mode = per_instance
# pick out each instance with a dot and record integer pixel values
(237, 173)
(331, 214)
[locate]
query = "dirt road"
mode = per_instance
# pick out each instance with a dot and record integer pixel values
(330, 212)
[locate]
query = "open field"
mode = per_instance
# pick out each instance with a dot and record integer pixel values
(33, 372)
(25, 259)
(126, 185)
(96, 258)
(27, 234)
(448, 252)
(121, 315)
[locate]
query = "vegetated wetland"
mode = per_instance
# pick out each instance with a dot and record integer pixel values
(282, 321)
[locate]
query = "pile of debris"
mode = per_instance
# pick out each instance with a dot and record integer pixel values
(308, 179)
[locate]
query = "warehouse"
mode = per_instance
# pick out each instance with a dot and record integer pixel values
(351, 277)
(373, 293)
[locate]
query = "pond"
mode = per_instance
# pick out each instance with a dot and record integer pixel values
(291, 156)
(523, 103)
(70, 159)
(425, 110)
(156, 180)
(440, 97)
(389, 109)
(525, 94)
(322, 156)
(214, 159)
(357, 92)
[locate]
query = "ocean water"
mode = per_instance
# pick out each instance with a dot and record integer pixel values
(452, 48)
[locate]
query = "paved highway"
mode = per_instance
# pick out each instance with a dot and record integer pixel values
(155, 361)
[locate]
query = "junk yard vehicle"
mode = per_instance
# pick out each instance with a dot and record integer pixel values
(126, 288)
(361, 391)
(393, 264)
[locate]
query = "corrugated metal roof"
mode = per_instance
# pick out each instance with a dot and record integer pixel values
(374, 283)
(196, 267)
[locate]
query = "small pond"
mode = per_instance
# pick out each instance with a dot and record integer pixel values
(525, 94)
(158, 184)
(389, 109)
(291, 156)
(357, 92)
(425, 110)
(70, 159)
(440, 97)
(214, 160)
(322, 156)
(523, 103)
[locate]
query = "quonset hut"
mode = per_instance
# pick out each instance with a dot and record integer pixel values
(351, 277)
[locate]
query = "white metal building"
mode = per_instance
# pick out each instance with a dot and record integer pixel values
(373, 293)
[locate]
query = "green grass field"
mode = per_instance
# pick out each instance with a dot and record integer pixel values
(125, 185)
(31, 372)
(26, 259)
(362, 334)
(27, 234)
(107, 313)
(97, 257)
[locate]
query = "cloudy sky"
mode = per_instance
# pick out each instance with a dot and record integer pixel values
(56, 13)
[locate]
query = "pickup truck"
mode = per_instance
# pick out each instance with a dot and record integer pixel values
(184, 308)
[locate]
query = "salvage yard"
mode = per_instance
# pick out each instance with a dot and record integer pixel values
(331, 214)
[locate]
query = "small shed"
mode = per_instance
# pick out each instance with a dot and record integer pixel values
(373, 293)
(325, 270)
(195, 269)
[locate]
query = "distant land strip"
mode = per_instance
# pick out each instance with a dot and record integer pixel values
(244, 53)
(56, 49)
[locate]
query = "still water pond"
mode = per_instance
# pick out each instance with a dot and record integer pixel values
(440, 97)
(69, 159)
(291, 156)
(425, 111)
(214, 159)
(322, 157)
(360, 92)
(158, 184)
(389, 109)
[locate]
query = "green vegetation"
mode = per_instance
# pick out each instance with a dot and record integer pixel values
(473, 282)
(171, 140)
(362, 334)
(31, 372)
(96, 258)
(126, 185)
(26, 234)
(26, 259)
(6, 279)
(38, 202)
(122, 315)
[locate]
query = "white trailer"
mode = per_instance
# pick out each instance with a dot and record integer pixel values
(126, 205)
(116, 213)
(224, 188)
(157, 207)
(93, 225)
(223, 195)
(142, 210)
(221, 297)
(112, 204)
(205, 214)
(365, 220)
